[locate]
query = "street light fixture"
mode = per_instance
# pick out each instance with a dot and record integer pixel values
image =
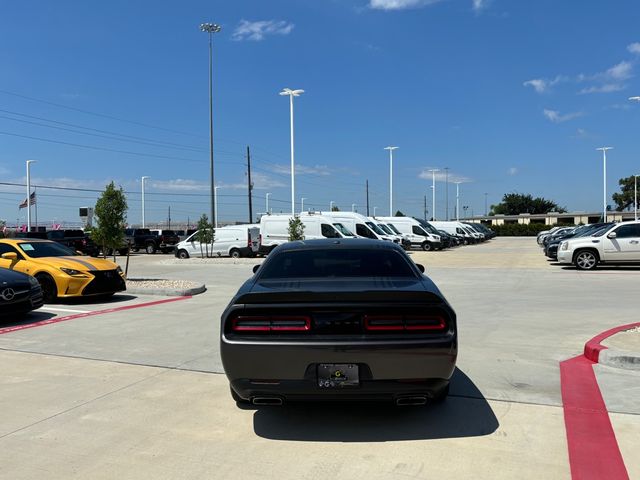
(604, 181)
(211, 28)
(266, 203)
(374, 211)
(433, 193)
(353, 207)
(29, 162)
(142, 182)
(291, 94)
(391, 149)
(331, 205)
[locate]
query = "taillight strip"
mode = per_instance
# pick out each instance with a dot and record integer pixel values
(272, 323)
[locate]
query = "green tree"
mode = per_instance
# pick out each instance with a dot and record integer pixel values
(296, 229)
(517, 203)
(2, 228)
(335, 208)
(399, 214)
(626, 197)
(111, 216)
(204, 235)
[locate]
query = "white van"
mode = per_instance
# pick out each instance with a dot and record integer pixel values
(274, 229)
(234, 240)
(414, 232)
(456, 228)
(356, 223)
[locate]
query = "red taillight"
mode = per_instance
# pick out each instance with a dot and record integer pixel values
(404, 322)
(271, 323)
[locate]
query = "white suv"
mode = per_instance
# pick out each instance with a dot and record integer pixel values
(619, 243)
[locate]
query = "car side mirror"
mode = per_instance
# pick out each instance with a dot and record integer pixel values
(420, 267)
(10, 256)
(255, 268)
(612, 235)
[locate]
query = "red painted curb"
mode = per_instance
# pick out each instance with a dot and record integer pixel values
(593, 347)
(16, 328)
(593, 449)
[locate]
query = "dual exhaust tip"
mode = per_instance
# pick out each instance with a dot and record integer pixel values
(400, 402)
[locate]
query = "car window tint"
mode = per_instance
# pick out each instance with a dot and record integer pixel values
(417, 230)
(364, 231)
(337, 263)
(6, 248)
(328, 231)
(45, 249)
(625, 231)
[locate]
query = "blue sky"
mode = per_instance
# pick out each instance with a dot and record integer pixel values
(509, 96)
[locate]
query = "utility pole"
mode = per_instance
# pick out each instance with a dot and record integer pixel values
(425, 208)
(169, 219)
(367, 198)
(250, 184)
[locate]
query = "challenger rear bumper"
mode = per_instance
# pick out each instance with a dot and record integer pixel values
(387, 369)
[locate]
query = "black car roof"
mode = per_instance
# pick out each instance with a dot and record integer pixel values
(346, 243)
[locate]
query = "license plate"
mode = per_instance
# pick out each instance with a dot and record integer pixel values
(338, 375)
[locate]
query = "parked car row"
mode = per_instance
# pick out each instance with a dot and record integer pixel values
(273, 230)
(588, 246)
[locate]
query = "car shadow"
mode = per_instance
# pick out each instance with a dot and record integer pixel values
(466, 413)
(34, 316)
(605, 268)
(93, 300)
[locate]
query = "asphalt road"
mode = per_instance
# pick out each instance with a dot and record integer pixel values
(139, 392)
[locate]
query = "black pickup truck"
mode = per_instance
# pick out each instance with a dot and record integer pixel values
(144, 239)
(74, 239)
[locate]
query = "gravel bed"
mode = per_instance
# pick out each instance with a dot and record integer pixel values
(159, 283)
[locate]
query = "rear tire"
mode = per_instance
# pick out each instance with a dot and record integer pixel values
(49, 288)
(150, 248)
(183, 254)
(426, 246)
(235, 253)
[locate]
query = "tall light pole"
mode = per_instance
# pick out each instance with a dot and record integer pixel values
(215, 204)
(604, 181)
(142, 182)
(211, 28)
(291, 94)
(331, 205)
(433, 192)
(446, 193)
(302, 204)
(635, 196)
(391, 149)
(458, 201)
(353, 207)
(266, 203)
(29, 162)
(374, 211)
(485, 204)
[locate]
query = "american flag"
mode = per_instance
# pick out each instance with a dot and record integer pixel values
(32, 201)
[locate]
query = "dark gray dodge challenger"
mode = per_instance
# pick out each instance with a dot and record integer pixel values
(343, 319)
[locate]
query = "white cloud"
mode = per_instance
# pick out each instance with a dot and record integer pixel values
(634, 48)
(264, 182)
(556, 117)
(542, 85)
(321, 170)
(512, 171)
(399, 4)
(256, 31)
(441, 176)
(605, 88)
(180, 185)
(620, 71)
(479, 5)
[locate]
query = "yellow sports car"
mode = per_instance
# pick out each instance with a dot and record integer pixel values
(61, 272)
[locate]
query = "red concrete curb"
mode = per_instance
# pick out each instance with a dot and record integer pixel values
(593, 347)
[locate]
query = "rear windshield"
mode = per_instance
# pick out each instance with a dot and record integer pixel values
(337, 263)
(45, 249)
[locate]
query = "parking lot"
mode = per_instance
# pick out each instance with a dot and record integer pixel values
(134, 388)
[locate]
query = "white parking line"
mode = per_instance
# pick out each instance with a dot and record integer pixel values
(56, 309)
